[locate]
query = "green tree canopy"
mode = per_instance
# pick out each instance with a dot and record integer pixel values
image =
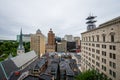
(90, 75)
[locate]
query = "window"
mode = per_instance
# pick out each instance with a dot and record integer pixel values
(97, 57)
(93, 50)
(89, 44)
(97, 37)
(97, 45)
(86, 39)
(112, 38)
(98, 64)
(93, 61)
(98, 51)
(104, 60)
(93, 38)
(112, 55)
(93, 45)
(112, 73)
(104, 46)
(103, 68)
(89, 38)
(89, 49)
(103, 53)
(89, 58)
(112, 47)
(103, 37)
(112, 64)
(89, 54)
(93, 55)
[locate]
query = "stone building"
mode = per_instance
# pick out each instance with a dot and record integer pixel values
(38, 43)
(50, 47)
(62, 46)
(77, 40)
(101, 47)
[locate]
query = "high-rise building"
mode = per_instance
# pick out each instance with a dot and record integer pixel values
(51, 38)
(25, 37)
(77, 40)
(38, 43)
(101, 49)
(50, 47)
(20, 48)
(69, 38)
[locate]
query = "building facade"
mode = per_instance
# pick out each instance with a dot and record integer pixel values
(50, 47)
(25, 37)
(51, 38)
(101, 47)
(38, 43)
(69, 38)
(77, 40)
(62, 46)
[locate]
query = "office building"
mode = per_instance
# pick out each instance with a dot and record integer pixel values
(25, 37)
(50, 47)
(69, 38)
(101, 47)
(77, 40)
(51, 38)
(38, 43)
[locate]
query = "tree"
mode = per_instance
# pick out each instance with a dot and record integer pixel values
(7, 47)
(90, 75)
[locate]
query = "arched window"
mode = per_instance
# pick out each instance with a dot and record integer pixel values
(97, 37)
(92, 38)
(112, 36)
(104, 38)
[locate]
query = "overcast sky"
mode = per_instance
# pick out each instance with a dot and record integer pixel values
(63, 16)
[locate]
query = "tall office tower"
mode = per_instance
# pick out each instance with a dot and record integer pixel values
(20, 48)
(101, 49)
(91, 22)
(51, 38)
(50, 47)
(38, 43)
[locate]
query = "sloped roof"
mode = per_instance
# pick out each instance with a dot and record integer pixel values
(23, 58)
(8, 67)
(1, 74)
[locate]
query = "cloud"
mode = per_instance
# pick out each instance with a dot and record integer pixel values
(64, 16)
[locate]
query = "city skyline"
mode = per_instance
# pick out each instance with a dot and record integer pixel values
(64, 17)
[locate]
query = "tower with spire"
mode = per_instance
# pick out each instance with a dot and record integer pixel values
(20, 48)
(91, 22)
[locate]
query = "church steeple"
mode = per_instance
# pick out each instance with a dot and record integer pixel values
(20, 47)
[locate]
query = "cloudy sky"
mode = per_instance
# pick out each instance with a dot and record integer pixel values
(63, 16)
